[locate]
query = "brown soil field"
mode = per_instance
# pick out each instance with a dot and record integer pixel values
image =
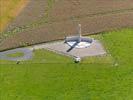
(58, 30)
(67, 9)
(34, 10)
(94, 15)
(9, 9)
(64, 9)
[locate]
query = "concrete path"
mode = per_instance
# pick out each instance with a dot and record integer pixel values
(27, 54)
(60, 47)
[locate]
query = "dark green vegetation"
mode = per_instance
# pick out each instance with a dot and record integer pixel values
(54, 77)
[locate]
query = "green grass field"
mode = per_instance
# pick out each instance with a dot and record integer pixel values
(17, 54)
(49, 76)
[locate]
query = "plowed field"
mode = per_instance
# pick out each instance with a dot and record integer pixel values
(64, 15)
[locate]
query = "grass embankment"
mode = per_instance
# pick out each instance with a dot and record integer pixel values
(9, 9)
(69, 81)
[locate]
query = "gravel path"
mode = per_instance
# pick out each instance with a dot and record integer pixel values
(27, 54)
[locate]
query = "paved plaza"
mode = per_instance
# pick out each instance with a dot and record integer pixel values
(60, 47)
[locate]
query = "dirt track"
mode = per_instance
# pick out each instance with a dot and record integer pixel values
(95, 16)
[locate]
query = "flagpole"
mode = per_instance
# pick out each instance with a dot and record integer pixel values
(79, 33)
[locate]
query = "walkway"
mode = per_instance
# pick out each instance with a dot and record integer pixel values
(27, 54)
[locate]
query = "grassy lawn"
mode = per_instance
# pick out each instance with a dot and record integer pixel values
(17, 54)
(9, 9)
(49, 76)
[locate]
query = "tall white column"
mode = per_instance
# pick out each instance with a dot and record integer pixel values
(79, 33)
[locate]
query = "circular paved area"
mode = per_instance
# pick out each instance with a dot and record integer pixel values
(26, 51)
(79, 45)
